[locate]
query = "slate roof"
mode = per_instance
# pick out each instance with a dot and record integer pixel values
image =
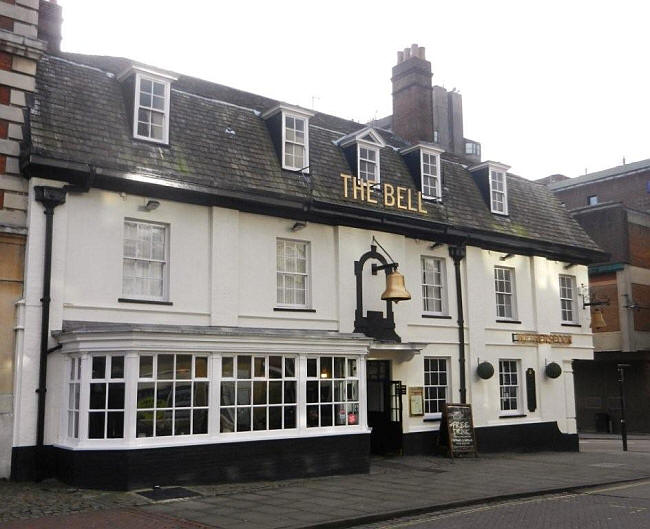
(79, 115)
(588, 178)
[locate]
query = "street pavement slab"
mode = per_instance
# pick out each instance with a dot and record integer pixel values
(394, 487)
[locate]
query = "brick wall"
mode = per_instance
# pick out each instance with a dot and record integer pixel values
(639, 245)
(631, 190)
(641, 297)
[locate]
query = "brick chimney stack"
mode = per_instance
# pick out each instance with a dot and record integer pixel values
(49, 24)
(412, 96)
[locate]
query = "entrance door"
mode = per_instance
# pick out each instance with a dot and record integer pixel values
(384, 408)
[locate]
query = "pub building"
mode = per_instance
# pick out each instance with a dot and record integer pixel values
(223, 287)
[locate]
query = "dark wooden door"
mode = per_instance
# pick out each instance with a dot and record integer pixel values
(384, 408)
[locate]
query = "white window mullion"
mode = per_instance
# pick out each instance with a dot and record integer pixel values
(215, 390)
(84, 396)
(131, 366)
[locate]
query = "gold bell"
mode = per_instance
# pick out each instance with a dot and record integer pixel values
(597, 320)
(395, 288)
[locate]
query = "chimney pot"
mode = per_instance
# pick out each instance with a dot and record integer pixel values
(400, 57)
(407, 53)
(414, 50)
(421, 53)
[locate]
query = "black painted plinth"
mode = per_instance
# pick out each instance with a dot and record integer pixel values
(529, 437)
(214, 463)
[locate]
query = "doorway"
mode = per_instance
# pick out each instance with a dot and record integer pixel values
(384, 409)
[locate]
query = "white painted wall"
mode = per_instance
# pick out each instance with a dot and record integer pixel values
(222, 272)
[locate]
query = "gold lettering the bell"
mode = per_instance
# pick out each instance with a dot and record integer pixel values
(395, 288)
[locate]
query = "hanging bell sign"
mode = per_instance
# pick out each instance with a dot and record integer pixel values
(395, 288)
(597, 320)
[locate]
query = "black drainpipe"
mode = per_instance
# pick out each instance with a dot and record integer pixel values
(50, 197)
(457, 253)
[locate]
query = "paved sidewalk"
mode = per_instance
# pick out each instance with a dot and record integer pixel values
(394, 487)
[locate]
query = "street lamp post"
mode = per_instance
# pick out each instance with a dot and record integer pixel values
(621, 369)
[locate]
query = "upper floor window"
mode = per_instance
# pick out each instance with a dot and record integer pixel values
(151, 109)
(504, 287)
(292, 273)
(295, 142)
(498, 192)
(430, 175)
(568, 299)
(145, 260)
(368, 163)
(433, 285)
(592, 200)
(473, 148)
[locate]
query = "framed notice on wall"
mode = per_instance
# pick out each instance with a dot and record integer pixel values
(416, 401)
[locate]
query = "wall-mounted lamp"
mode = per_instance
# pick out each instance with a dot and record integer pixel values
(507, 256)
(435, 245)
(151, 204)
(298, 225)
(569, 265)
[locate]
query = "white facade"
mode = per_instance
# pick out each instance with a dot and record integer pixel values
(221, 267)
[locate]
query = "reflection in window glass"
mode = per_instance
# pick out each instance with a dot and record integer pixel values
(173, 392)
(333, 392)
(261, 399)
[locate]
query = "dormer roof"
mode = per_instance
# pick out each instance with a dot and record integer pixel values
(367, 134)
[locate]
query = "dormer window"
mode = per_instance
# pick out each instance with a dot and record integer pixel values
(363, 151)
(295, 142)
(430, 174)
(423, 160)
(498, 192)
(151, 113)
(368, 164)
(149, 93)
(289, 127)
(492, 180)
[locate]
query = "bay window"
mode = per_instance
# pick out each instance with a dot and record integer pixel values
(106, 402)
(332, 391)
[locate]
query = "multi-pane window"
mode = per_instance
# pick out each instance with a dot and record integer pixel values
(292, 273)
(433, 284)
(106, 404)
(504, 288)
(332, 391)
(498, 196)
(568, 299)
(430, 175)
(509, 386)
(173, 392)
(436, 384)
(295, 142)
(258, 393)
(74, 386)
(145, 260)
(368, 164)
(152, 109)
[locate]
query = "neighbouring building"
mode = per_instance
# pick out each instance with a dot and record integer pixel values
(21, 45)
(203, 293)
(613, 207)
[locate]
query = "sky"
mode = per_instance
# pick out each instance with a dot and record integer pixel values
(548, 87)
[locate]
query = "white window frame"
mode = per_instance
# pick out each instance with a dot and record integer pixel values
(512, 294)
(165, 261)
(572, 299)
(498, 172)
(306, 274)
(519, 386)
(443, 285)
(305, 145)
(376, 150)
(593, 202)
(437, 176)
(73, 398)
(447, 386)
(136, 107)
(106, 381)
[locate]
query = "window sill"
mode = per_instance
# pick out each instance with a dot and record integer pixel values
(571, 325)
(509, 321)
(151, 141)
(438, 316)
(431, 419)
(292, 309)
(145, 301)
(518, 415)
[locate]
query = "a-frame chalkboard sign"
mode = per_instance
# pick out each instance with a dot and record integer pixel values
(457, 430)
